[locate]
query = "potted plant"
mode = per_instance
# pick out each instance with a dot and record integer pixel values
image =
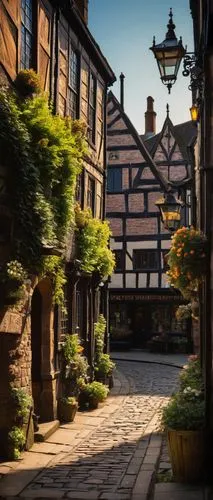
(67, 408)
(184, 418)
(74, 373)
(91, 395)
(104, 367)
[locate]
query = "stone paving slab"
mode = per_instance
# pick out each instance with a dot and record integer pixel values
(110, 453)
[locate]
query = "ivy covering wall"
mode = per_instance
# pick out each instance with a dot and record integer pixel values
(93, 243)
(43, 154)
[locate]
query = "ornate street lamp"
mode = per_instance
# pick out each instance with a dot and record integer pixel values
(170, 211)
(169, 54)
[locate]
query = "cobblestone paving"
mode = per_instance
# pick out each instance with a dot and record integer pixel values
(106, 459)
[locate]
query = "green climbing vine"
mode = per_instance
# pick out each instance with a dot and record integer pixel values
(43, 155)
(93, 243)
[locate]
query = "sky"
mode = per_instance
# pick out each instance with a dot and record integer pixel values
(124, 30)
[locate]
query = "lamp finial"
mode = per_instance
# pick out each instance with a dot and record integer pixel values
(170, 35)
(167, 110)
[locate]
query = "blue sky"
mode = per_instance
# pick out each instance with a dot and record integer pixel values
(124, 30)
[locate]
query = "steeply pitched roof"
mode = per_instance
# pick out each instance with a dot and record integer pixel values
(185, 134)
(139, 142)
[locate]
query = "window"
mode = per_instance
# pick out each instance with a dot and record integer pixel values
(73, 85)
(78, 191)
(119, 260)
(26, 34)
(91, 194)
(146, 260)
(92, 107)
(63, 315)
(99, 202)
(114, 180)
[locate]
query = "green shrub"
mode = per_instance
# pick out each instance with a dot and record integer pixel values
(99, 333)
(71, 347)
(184, 412)
(191, 375)
(186, 408)
(69, 401)
(21, 401)
(28, 82)
(95, 390)
(16, 442)
(104, 366)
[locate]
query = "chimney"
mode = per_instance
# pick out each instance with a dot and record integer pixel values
(122, 90)
(150, 118)
(83, 9)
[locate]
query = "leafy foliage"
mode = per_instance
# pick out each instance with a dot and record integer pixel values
(16, 441)
(93, 243)
(187, 260)
(21, 401)
(99, 332)
(103, 363)
(183, 312)
(43, 155)
(75, 365)
(28, 82)
(94, 390)
(71, 347)
(104, 366)
(186, 408)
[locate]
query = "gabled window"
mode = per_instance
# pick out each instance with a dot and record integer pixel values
(114, 179)
(119, 260)
(73, 84)
(146, 260)
(26, 34)
(92, 107)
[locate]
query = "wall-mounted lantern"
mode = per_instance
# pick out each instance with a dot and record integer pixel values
(170, 211)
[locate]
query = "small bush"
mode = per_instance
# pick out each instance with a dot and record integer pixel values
(28, 83)
(16, 442)
(186, 408)
(95, 390)
(104, 366)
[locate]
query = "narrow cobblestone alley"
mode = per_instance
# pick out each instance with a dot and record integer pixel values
(106, 454)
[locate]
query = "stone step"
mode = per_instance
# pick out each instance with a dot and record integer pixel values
(46, 429)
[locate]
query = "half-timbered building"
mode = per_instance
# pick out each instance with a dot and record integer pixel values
(52, 37)
(140, 169)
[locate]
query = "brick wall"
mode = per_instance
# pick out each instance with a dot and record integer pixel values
(116, 226)
(115, 203)
(141, 226)
(136, 202)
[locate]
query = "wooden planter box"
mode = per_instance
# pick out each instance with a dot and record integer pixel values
(186, 450)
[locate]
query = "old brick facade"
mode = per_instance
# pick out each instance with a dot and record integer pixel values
(140, 169)
(54, 40)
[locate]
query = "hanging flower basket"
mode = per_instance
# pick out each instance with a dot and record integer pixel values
(187, 260)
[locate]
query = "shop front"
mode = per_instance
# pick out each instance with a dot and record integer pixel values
(143, 321)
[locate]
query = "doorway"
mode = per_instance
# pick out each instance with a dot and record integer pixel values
(141, 325)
